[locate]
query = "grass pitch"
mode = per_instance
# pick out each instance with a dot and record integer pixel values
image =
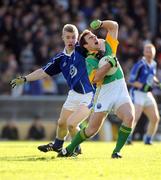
(22, 161)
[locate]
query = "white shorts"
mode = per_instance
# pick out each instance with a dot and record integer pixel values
(112, 96)
(74, 100)
(142, 98)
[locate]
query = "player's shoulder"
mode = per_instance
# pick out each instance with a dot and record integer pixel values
(81, 51)
(91, 57)
(109, 38)
(91, 60)
(154, 63)
(58, 56)
(140, 62)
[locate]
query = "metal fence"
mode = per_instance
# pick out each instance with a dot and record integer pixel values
(48, 107)
(25, 107)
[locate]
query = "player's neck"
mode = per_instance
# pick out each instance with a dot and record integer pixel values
(148, 60)
(101, 44)
(68, 51)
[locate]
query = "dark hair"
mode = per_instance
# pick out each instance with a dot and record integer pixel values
(82, 40)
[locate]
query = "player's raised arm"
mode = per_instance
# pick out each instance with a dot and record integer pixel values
(110, 26)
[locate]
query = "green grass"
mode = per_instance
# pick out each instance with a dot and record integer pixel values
(22, 161)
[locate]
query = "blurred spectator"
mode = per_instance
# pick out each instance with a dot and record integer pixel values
(17, 91)
(27, 58)
(33, 88)
(31, 30)
(30, 36)
(10, 131)
(8, 68)
(62, 86)
(37, 130)
(49, 86)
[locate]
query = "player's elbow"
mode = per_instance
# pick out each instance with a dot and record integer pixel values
(97, 79)
(110, 25)
(115, 25)
(100, 74)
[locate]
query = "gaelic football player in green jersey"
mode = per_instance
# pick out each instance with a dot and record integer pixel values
(113, 93)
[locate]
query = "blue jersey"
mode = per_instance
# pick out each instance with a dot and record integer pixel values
(73, 68)
(143, 73)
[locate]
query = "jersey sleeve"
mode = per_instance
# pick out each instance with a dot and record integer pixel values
(155, 67)
(112, 43)
(53, 67)
(134, 73)
(92, 65)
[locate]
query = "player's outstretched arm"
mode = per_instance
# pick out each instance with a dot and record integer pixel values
(139, 85)
(110, 26)
(136, 84)
(36, 75)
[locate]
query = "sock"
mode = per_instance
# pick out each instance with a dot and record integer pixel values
(148, 139)
(129, 139)
(83, 124)
(78, 139)
(122, 137)
(58, 143)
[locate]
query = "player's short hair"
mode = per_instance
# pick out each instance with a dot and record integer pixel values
(70, 28)
(82, 40)
(151, 46)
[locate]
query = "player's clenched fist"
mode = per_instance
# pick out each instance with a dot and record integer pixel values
(96, 24)
(18, 81)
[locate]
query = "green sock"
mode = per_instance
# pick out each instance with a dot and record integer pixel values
(83, 124)
(78, 139)
(123, 134)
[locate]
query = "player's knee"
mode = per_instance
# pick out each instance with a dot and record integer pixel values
(156, 119)
(61, 124)
(71, 127)
(129, 119)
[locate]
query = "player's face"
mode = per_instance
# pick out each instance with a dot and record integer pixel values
(70, 39)
(92, 42)
(149, 52)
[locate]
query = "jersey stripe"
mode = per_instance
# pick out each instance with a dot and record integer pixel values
(112, 42)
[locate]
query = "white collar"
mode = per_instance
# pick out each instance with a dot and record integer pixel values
(65, 52)
(149, 64)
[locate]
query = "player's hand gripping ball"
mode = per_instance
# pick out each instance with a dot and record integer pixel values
(109, 59)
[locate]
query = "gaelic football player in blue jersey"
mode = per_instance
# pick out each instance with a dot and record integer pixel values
(142, 79)
(71, 63)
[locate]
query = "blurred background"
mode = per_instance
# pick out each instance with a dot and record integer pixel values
(30, 34)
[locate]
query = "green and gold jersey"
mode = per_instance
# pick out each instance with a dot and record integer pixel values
(92, 66)
(92, 62)
(111, 45)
